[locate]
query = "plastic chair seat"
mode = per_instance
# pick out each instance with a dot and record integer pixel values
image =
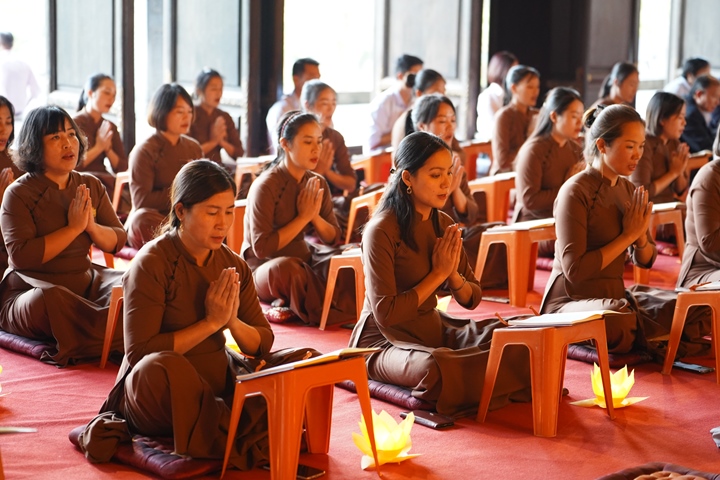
(473, 149)
(376, 167)
(116, 301)
(237, 230)
(249, 166)
(522, 248)
(291, 396)
(348, 260)
(548, 351)
(121, 179)
(497, 192)
(657, 218)
(369, 201)
(685, 300)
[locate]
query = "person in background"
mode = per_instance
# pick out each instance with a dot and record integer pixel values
(155, 162)
(427, 82)
(50, 218)
(701, 261)
(391, 103)
(212, 127)
(703, 99)
(620, 86)
(8, 170)
(283, 204)
(303, 69)
(410, 250)
(513, 121)
(692, 68)
(600, 218)
(549, 158)
(17, 80)
(662, 169)
(492, 98)
(103, 139)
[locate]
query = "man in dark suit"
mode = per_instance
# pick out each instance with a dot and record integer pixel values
(701, 101)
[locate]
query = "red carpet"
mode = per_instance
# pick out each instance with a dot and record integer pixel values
(672, 425)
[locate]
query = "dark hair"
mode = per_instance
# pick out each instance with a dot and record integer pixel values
(716, 145)
(693, 65)
(412, 153)
(311, 91)
(606, 123)
(288, 127)
(43, 121)
(203, 78)
(426, 108)
(299, 65)
(7, 40)
(661, 106)
(702, 83)
(619, 72)
(498, 67)
(558, 100)
(91, 84)
(405, 62)
(4, 102)
(425, 79)
(196, 182)
(163, 101)
(516, 75)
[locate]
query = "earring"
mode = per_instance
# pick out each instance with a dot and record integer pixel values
(409, 190)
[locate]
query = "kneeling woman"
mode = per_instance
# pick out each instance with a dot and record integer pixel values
(50, 217)
(599, 216)
(283, 203)
(410, 250)
(181, 291)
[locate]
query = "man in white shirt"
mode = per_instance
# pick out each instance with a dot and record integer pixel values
(17, 82)
(692, 68)
(303, 70)
(387, 107)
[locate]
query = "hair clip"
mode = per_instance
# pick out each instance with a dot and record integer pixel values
(392, 171)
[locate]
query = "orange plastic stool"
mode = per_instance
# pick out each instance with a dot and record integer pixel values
(289, 394)
(663, 215)
(369, 201)
(237, 230)
(376, 167)
(521, 240)
(116, 301)
(121, 179)
(249, 166)
(548, 350)
(352, 260)
(497, 192)
(685, 300)
(473, 149)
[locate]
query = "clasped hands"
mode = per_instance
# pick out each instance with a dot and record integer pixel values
(223, 299)
(637, 217)
(446, 256)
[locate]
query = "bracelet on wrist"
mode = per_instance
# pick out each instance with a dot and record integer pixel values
(464, 281)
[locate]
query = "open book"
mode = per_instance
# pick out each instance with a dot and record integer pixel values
(663, 207)
(527, 225)
(560, 319)
(333, 356)
(706, 287)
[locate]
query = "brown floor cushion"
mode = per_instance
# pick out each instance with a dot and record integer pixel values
(653, 467)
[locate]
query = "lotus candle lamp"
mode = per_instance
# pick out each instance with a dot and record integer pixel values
(392, 440)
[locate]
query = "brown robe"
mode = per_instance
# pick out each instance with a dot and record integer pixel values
(201, 129)
(297, 272)
(6, 161)
(701, 261)
(341, 163)
(440, 358)
(153, 166)
(66, 298)
(588, 215)
(655, 163)
(89, 128)
(187, 396)
(511, 131)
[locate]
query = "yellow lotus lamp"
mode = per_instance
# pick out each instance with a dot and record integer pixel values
(392, 440)
(620, 382)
